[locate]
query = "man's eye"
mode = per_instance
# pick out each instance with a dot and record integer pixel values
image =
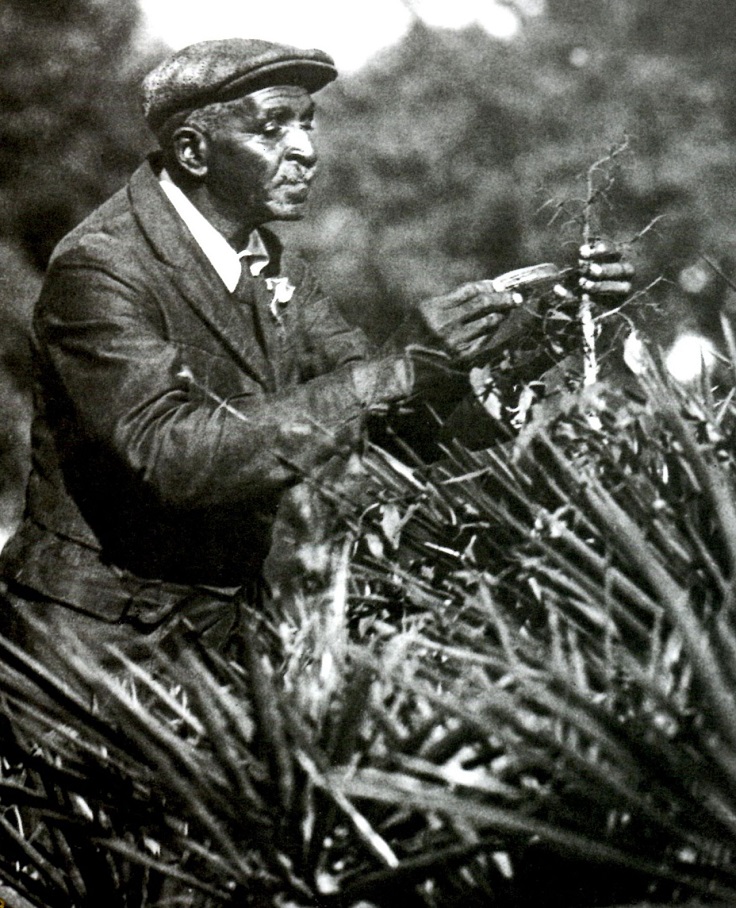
(271, 129)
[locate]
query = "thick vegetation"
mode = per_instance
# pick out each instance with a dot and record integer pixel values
(518, 690)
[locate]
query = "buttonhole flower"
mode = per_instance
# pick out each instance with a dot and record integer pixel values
(282, 290)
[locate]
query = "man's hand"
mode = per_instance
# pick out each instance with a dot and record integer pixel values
(461, 323)
(446, 335)
(604, 274)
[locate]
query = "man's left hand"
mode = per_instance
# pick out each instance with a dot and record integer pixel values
(604, 273)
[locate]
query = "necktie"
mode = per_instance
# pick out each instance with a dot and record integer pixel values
(253, 296)
(243, 291)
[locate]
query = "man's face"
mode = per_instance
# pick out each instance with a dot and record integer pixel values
(260, 159)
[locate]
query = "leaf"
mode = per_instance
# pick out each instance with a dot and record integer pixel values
(391, 523)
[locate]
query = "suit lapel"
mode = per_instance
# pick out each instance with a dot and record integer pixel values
(194, 278)
(231, 321)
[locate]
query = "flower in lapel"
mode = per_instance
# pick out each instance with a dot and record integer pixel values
(282, 290)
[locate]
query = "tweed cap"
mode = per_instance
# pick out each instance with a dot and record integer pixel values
(226, 69)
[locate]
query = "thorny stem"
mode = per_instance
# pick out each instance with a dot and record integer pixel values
(585, 310)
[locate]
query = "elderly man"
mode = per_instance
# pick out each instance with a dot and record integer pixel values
(190, 370)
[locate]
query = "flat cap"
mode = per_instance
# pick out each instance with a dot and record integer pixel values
(226, 69)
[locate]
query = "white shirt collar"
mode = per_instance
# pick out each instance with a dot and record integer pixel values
(224, 259)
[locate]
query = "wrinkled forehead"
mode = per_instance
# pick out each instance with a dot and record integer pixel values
(280, 103)
(250, 110)
(283, 98)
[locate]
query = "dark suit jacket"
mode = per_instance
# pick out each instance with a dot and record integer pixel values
(169, 417)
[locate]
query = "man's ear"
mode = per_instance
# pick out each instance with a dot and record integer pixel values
(190, 148)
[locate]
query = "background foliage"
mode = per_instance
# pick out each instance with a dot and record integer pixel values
(439, 156)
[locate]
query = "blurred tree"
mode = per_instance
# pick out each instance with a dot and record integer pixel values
(660, 26)
(440, 155)
(70, 134)
(70, 131)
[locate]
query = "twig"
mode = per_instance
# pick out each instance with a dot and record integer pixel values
(585, 312)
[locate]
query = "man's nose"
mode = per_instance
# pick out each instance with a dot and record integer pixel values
(300, 147)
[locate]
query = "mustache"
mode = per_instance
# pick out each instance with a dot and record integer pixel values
(298, 175)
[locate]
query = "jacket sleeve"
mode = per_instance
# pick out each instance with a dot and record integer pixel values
(122, 386)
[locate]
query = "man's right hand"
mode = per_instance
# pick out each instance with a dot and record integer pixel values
(462, 323)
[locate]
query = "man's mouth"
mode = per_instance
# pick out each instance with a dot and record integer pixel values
(293, 185)
(296, 191)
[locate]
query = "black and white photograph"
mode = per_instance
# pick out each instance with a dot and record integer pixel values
(367, 454)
